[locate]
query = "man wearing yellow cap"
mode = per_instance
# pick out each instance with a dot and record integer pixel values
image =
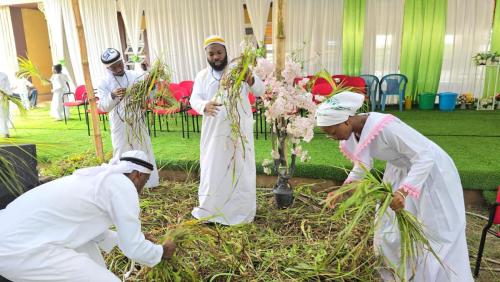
(225, 196)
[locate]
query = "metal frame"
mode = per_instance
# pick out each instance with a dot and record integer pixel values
(486, 230)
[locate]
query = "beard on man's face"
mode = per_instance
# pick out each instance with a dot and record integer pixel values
(218, 67)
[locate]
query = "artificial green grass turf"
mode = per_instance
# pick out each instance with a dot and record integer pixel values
(472, 138)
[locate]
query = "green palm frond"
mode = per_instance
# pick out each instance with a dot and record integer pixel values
(138, 98)
(371, 195)
(5, 99)
(28, 69)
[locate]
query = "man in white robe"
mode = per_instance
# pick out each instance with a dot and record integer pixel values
(423, 176)
(111, 92)
(4, 105)
(225, 196)
(53, 232)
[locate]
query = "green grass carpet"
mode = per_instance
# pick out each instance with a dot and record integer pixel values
(472, 138)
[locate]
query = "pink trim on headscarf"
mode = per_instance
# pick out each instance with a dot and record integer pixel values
(372, 134)
(411, 190)
(345, 152)
(366, 141)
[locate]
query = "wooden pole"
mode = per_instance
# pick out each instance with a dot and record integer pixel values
(279, 35)
(88, 82)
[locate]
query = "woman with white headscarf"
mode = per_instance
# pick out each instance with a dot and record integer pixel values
(424, 177)
(55, 231)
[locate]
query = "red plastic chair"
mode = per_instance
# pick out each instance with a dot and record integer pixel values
(356, 82)
(339, 78)
(182, 95)
(257, 112)
(178, 93)
(187, 85)
(494, 218)
(102, 115)
(80, 100)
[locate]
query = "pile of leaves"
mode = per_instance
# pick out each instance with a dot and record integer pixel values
(295, 244)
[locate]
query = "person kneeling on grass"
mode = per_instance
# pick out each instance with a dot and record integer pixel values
(424, 177)
(53, 232)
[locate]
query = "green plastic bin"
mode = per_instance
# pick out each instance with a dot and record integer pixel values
(426, 101)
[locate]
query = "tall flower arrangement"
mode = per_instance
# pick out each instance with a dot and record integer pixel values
(290, 110)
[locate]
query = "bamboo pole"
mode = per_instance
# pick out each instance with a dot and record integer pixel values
(88, 82)
(279, 35)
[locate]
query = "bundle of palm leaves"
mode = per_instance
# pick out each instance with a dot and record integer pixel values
(141, 97)
(229, 94)
(185, 235)
(363, 198)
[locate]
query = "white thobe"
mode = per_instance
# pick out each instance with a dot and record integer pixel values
(59, 83)
(226, 196)
(52, 232)
(428, 174)
(4, 105)
(21, 86)
(123, 138)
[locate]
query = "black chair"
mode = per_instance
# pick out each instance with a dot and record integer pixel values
(494, 218)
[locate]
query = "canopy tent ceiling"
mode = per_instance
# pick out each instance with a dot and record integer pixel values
(175, 30)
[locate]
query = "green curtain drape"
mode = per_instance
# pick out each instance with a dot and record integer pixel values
(492, 74)
(424, 25)
(352, 36)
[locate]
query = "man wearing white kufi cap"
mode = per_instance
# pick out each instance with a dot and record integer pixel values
(424, 178)
(225, 195)
(111, 92)
(55, 231)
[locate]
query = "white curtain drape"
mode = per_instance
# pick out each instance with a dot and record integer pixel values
(258, 11)
(468, 31)
(176, 30)
(131, 11)
(100, 24)
(53, 16)
(8, 63)
(382, 39)
(313, 30)
(72, 41)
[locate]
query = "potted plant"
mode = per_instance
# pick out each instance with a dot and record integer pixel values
(290, 110)
(486, 58)
(462, 100)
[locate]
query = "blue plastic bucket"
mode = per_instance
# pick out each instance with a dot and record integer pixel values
(447, 101)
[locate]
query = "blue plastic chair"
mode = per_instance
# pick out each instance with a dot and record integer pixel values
(392, 85)
(371, 82)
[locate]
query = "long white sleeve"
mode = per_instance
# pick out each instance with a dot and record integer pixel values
(418, 149)
(357, 173)
(107, 240)
(5, 84)
(198, 98)
(124, 212)
(106, 102)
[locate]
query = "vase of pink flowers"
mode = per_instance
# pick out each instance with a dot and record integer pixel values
(290, 110)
